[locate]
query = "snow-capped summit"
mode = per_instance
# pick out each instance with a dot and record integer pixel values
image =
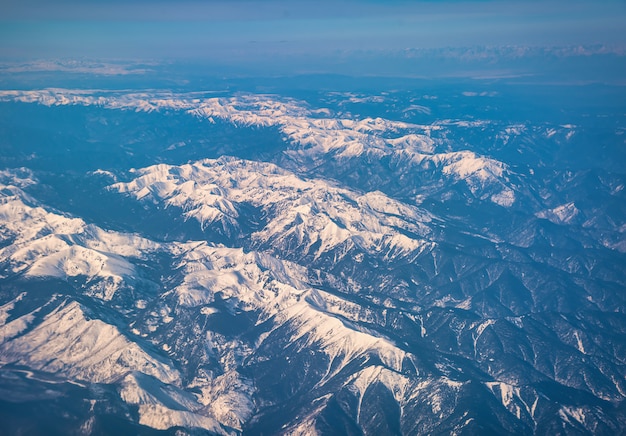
(304, 217)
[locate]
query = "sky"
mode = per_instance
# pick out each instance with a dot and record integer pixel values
(257, 31)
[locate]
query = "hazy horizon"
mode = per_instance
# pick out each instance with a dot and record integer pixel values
(292, 35)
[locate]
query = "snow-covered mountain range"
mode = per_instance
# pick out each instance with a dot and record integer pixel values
(363, 276)
(315, 135)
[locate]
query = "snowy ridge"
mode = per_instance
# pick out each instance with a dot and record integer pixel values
(339, 339)
(399, 385)
(314, 135)
(51, 245)
(300, 317)
(232, 273)
(228, 398)
(308, 313)
(86, 348)
(310, 216)
(164, 406)
(67, 342)
(481, 174)
(563, 214)
(510, 396)
(11, 328)
(288, 308)
(322, 138)
(277, 291)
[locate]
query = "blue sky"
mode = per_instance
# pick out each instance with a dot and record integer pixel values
(255, 31)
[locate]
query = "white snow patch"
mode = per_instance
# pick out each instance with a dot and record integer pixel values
(505, 198)
(8, 307)
(576, 413)
(579, 343)
(105, 173)
(398, 384)
(208, 310)
(563, 214)
(508, 395)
